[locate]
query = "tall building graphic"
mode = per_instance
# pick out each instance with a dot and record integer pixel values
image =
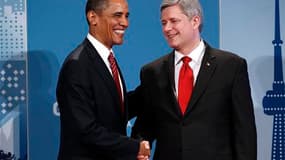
(274, 100)
(13, 61)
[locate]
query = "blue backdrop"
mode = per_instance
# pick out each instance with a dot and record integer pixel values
(57, 27)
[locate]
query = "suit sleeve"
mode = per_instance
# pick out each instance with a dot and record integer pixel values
(77, 115)
(143, 128)
(245, 139)
(135, 106)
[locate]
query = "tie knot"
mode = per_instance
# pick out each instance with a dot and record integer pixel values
(186, 59)
(111, 56)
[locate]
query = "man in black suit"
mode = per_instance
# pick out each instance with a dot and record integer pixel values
(91, 92)
(208, 116)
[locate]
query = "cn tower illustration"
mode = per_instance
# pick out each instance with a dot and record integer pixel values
(274, 101)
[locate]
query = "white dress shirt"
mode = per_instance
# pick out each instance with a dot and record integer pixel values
(196, 55)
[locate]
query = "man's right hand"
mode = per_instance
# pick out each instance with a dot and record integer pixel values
(144, 152)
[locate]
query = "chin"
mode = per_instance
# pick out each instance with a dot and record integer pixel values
(172, 45)
(118, 42)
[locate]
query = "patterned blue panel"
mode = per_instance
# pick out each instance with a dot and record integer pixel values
(13, 60)
(13, 33)
(13, 83)
(13, 49)
(17, 5)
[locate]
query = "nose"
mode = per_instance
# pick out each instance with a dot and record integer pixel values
(124, 22)
(166, 27)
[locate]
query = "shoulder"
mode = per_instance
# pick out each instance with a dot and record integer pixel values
(80, 51)
(224, 56)
(159, 62)
(80, 55)
(78, 61)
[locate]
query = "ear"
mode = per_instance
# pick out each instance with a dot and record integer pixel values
(92, 18)
(196, 21)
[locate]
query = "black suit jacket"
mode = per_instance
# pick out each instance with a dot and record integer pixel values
(219, 122)
(93, 126)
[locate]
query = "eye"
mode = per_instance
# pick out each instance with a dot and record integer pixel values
(127, 15)
(163, 23)
(117, 14)
(175, 21)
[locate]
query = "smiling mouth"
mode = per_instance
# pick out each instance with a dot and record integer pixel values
(171, 36)
(120, 32)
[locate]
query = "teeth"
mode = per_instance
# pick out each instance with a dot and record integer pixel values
(171, 36)
(120, 31)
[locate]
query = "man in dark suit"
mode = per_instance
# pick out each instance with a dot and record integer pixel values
(91, 92)
(197, 100)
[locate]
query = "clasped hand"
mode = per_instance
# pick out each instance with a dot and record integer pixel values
(144, 152)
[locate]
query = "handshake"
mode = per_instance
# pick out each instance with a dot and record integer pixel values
(144, 152)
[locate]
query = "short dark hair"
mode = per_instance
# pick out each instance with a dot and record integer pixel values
(96, 5)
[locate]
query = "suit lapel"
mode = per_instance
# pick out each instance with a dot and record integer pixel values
(170, 68)
(104, 73)
(206, 72)
(124, 90)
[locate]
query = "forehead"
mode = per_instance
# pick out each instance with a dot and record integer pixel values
(117, 5)
(172, 12)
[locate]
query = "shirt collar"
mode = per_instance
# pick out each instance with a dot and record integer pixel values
(196, 55)
(101, 49)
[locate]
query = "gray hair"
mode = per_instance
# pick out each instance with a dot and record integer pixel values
(189, 7)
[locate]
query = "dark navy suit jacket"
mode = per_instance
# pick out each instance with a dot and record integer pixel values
(219, 122)
(93, 126)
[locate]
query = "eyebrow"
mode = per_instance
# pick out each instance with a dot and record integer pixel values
(121, 13)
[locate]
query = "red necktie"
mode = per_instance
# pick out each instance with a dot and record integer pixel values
(115, 73)
(185, 84)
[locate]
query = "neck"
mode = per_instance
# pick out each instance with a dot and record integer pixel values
(98, 38)
(189, 48)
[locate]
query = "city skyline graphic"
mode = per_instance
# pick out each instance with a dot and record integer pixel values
(274, 100)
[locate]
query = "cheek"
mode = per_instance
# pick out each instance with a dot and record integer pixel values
(185, 30)
(109, 30)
